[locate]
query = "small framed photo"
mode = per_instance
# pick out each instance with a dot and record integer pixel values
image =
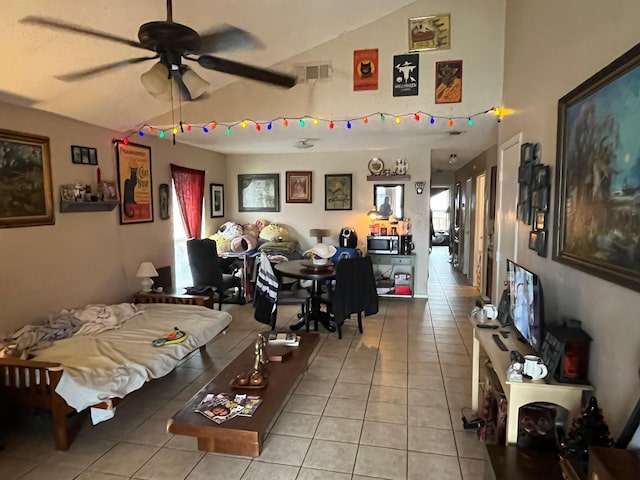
(543, 199)
(217, 200)
(76, 154)
(110, 191)
(163, 195)
(84, 154)
(533, 240)
(299, 187)
(542, 176)
(541, 220)
(93, 156)
(542, 243)
(66, 193)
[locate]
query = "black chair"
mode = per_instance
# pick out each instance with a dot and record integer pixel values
(268, 287)
(206, 270)
(354, 292)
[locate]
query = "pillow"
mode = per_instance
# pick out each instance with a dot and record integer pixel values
(230, 230)
(275, 232)
(222, 244)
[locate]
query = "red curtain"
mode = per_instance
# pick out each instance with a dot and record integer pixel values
(189, 184)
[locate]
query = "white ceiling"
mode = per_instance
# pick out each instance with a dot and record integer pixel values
(116, 100)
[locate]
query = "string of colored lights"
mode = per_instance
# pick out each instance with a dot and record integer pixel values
(212, 125)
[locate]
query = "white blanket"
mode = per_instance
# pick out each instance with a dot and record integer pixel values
(110, 364)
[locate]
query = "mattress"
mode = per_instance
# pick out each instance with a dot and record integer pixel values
(111, 364)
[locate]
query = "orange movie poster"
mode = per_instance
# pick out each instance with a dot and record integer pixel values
(365, 69)
(134, 179)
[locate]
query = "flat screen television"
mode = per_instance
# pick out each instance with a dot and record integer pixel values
(526, 304)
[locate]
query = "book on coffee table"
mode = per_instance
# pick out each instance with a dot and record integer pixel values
(251, 404)
(220, 407)
(284, 338)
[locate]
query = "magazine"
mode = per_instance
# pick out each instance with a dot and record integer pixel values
(251, 404)
(284, 338)
(224, 406)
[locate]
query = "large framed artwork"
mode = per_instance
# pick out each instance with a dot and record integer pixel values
(26, 195)
(337, 192)
(217, 199)
(134, 181)
(597, 226)
(299, 187)
(259, 193)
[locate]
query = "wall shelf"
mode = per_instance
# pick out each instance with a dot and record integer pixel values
(74, 207)
(387, 178)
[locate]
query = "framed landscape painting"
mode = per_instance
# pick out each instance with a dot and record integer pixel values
(259, 193)
(26, 195)
(597, 225)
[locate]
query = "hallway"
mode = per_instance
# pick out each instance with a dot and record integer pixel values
(381, 405)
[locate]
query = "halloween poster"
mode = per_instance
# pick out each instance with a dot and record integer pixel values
(405, 75)
(365, 69)
(134, 180)
(449, 81)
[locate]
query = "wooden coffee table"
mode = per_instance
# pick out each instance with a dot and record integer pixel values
(244, 435)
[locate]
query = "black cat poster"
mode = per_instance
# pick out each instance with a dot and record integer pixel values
(405, 75)
(134, 180)
(365, 69)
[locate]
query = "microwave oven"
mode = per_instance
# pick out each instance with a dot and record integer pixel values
(383, 244)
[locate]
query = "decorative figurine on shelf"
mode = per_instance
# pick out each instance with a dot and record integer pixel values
(261, 359)
(590, 429)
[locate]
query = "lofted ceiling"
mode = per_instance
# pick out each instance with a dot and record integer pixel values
(117, 100)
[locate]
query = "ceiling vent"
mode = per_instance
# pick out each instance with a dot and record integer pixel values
(319, 71)
(454, 133)
(453, 158)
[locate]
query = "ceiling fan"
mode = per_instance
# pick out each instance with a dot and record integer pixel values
(172, 43)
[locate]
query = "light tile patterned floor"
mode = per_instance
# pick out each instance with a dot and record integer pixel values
(381, 405)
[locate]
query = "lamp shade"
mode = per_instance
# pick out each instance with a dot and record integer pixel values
(373, 213)
(146, 269)
(195, 84)
(157, 81)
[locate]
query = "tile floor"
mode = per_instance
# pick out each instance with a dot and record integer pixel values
(382, 405)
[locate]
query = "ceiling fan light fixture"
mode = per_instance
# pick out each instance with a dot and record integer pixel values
(156, 82)
(195, 84)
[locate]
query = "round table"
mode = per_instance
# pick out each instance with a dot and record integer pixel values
(298, 269)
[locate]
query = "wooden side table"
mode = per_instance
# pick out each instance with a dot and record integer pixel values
(170, 296)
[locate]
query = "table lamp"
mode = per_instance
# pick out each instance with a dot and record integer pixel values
(145, 271)
(373, 215)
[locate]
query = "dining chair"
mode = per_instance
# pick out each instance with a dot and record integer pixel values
(268, 295)
(206, 270)
(354, 292)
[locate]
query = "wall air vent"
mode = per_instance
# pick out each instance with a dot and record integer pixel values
(317, 71)
(456, 132)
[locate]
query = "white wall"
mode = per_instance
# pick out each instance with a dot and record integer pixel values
(300, 218)
(85, 257)
(552, 47)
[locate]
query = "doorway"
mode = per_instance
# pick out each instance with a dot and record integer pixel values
(478, 243)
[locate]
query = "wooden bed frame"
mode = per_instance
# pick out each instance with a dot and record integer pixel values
(30, 383)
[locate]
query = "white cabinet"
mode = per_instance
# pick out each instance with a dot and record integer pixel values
(387, 266)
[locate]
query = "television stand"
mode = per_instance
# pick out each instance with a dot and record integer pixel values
(518, 394)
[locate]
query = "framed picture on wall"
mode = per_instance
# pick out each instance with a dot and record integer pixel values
(338, 191)
(259, 192)
(163, 193)
(597, 175)
(216, 192)
(299, 187)
(134, 179)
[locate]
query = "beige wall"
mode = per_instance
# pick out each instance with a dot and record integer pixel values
(85, 257)
(551, 47)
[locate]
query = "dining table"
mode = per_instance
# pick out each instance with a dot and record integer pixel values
(305, 269)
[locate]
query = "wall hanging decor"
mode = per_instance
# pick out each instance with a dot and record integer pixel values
(429, 33)
(26, 195)
(598, 174)
(84, 155)
(163, 194)
(449, 82)
(216, 192)
(299, 187)
(365, 69)
(134, 181)
(259, 193)
(337, 192)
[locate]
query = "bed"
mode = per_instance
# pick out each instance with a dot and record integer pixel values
(98, 370)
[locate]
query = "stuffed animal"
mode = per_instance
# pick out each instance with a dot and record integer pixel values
(230, 230)
(260, 224)
(222, 244)
(275, 232)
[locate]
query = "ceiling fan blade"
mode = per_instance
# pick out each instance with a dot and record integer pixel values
(248, 71)
(89, 72)
(228, 38)
(70, 27)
